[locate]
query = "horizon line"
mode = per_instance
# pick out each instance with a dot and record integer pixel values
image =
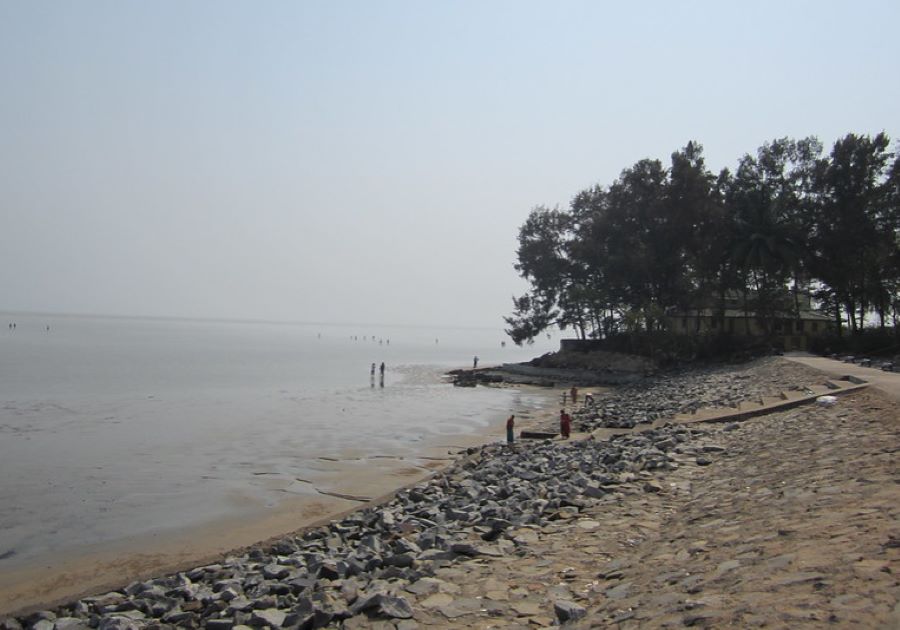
(237, 320)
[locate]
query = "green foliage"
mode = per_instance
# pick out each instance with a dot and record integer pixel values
(658, 239)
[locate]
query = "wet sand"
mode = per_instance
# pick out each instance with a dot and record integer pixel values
(342, 484)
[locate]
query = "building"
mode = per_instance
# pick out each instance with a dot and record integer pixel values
(790, 325)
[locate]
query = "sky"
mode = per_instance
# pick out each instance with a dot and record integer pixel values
(372, 161)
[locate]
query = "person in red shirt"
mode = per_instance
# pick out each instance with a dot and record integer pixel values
(565, 424)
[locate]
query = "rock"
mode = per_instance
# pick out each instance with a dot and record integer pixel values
(526, 608)
(728, 565)
(568, 611)
(240, 604)
(268, 617)
(461, 607)
(594, 490)
(424, 586)
(436, 601)
(399, 560)
(653, 485)
(229, 594)
(464, 549)
(619, 592)
(384, 605)
(275, 572)
(177, 616)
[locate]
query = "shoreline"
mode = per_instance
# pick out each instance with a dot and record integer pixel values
(55, 578)
(518, 535)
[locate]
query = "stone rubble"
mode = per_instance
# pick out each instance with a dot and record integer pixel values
(381, 562)
(662, 397)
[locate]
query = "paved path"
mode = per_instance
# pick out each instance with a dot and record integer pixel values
(887, 382)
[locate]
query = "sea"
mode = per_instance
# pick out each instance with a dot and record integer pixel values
(113, 427)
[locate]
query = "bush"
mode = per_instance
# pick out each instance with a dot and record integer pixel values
(667, 348)
(871, 341)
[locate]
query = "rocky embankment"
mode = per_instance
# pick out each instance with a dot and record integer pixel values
(562, 368)
(663, 396)
(793, 523)
(380, 563)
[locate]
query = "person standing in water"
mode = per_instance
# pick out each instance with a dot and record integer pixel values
(475, 363)
(510, 429)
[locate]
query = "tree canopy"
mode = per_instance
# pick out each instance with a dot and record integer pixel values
(662, 238)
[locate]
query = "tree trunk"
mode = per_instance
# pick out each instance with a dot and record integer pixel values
(746, 314)
(837, 318)
(851, 317)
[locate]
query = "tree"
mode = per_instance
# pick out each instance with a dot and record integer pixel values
(767, 198)
(659, 239)
(854, 234)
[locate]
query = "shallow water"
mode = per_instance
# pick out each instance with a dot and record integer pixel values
(118, 427)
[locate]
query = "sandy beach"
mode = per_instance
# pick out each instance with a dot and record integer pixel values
(788, 519)
(344, 482)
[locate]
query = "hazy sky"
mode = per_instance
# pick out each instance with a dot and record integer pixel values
(372, 161)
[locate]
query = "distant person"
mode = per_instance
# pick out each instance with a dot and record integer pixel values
(382, 370)
(510, 429)
(372, 371)
(565, 424)
(588, 400)
(502, 344)
(475, 363)
(574, 392)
